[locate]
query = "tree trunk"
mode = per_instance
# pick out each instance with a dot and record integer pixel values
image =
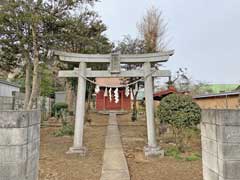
(69, 96)
(38, 94)
(27, 82)
(89, 98)
(35, 81)
(134, 111)
(88, 105)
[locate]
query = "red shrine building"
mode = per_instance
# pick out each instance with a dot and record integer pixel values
(104, 103)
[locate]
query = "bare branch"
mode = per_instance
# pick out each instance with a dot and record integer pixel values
(153, 30)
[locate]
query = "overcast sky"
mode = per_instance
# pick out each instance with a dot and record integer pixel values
(204, 33)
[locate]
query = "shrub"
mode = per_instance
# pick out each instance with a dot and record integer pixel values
(174, 152)
(66, 130)
(59, 109)
(181, 113)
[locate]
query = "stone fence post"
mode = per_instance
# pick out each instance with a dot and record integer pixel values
(220, 131)
(19, 145)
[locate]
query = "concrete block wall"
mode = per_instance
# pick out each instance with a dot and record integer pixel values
(19, 145)
(220, 134)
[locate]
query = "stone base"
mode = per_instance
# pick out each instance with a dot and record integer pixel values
(81, 151)
(153, 151)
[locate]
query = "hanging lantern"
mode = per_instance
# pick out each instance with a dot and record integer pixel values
(105, 93)
(116, 95)
(110, 94)
(97, 89)
(127, 91)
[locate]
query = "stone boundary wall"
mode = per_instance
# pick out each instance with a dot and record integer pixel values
(19, 145)
(220, 134)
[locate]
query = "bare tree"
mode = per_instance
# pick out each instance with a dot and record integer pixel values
(153, 29)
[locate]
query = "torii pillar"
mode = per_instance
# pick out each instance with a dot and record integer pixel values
(80, 113)
(152, 148)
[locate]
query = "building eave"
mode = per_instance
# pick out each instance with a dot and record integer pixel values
(9, 83)
(217, 95)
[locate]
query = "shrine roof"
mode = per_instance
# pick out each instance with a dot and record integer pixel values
(108, 81)
(161, 94)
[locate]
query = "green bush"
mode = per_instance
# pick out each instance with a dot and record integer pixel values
(59, 109)
(66, 130)
(181, 113)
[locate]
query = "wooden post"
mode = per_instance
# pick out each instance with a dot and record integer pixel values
(80, 113)
(152, 148)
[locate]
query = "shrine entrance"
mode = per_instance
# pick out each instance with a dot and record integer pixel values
(104, 103)
(146, 73)
(111, 105)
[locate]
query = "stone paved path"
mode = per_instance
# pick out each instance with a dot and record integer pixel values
(114, 162)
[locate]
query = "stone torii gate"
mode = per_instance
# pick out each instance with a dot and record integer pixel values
(115, 61)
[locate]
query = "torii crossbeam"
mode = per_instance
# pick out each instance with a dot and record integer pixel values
(114, 61)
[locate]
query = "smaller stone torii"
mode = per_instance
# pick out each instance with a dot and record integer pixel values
(114, 61)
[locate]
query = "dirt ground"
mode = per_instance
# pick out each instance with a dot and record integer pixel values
(56, 165)
(134, 138)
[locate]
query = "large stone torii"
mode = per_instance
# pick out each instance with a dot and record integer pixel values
(114, 60)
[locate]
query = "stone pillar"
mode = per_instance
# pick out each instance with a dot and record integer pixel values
(80, 113)
(19, 145)
(152, 148)
(220, 134)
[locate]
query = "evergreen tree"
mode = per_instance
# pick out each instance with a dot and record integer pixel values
(29, 28)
